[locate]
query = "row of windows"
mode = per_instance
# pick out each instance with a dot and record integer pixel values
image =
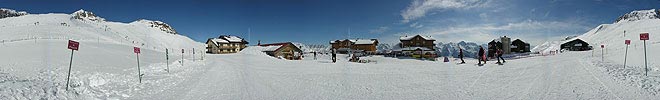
(230, 44)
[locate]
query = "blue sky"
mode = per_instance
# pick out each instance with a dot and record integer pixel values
(318, 21)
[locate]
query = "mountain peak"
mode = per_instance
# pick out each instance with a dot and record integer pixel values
(159, 24)
(86, 15)
(639, 15)
(4, 13)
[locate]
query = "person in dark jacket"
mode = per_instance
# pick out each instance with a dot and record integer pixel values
(460, 54)
(499, 55)
(481, 55)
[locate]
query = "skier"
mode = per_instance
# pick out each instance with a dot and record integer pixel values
(481, 55)
(499, 56)
(314, 55)
(460, 54)
(334, 56)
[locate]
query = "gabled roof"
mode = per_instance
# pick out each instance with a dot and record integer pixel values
(231, 38)
(412, 48)
(364, 41)
(574, 39)
(216, 41)
(357, 41)
(411, 37)
(277, 46)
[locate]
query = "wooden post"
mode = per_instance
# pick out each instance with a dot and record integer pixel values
(625, 58)
(138, 66)
(167, 60)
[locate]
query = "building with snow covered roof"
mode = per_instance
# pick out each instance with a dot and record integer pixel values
(417, 46)
(426, 42)
(285, 50)
(503, 43)
(366, 45)
(519, 46)
(225, 44)
(507, 46)
(576, 44)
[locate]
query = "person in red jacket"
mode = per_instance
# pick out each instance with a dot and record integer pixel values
(481, 56)
(499, 56)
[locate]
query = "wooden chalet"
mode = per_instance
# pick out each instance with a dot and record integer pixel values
(284, 50)
(225, 44)
(365, 45)
(576, 45)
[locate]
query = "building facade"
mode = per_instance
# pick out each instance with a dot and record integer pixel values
(417, 41)
(284, 50)
(225, 44)
(365, 45)
(519, 46)
(576, 45)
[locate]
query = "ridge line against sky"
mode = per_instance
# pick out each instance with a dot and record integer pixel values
(319, 21)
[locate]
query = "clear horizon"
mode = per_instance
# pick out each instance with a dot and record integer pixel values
(317, 21)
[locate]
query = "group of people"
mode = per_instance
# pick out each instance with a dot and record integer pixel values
(481, 55)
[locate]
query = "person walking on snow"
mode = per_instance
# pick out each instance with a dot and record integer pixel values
(499, 56)
(460, 54)
(481, 56)
(334, 56)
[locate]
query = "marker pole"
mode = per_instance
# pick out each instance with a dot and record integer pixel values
(625, 58)
(646, 67)
(137, 55)
(67, 76)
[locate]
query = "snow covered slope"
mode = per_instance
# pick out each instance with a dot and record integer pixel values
(87, 27)
(612, 57)
(34, 59)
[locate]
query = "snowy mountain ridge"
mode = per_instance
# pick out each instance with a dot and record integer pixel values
(159, 25)
(470, 49)
(4, 13)
(639, 15)
(86, 15)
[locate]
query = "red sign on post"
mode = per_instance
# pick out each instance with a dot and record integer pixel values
(73, 45)
(627, 42)
(136, 49)
(644, 36)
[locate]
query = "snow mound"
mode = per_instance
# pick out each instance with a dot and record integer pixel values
(547, 47)
(4, 13)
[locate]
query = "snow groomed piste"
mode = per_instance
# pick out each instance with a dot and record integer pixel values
(35, 61)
